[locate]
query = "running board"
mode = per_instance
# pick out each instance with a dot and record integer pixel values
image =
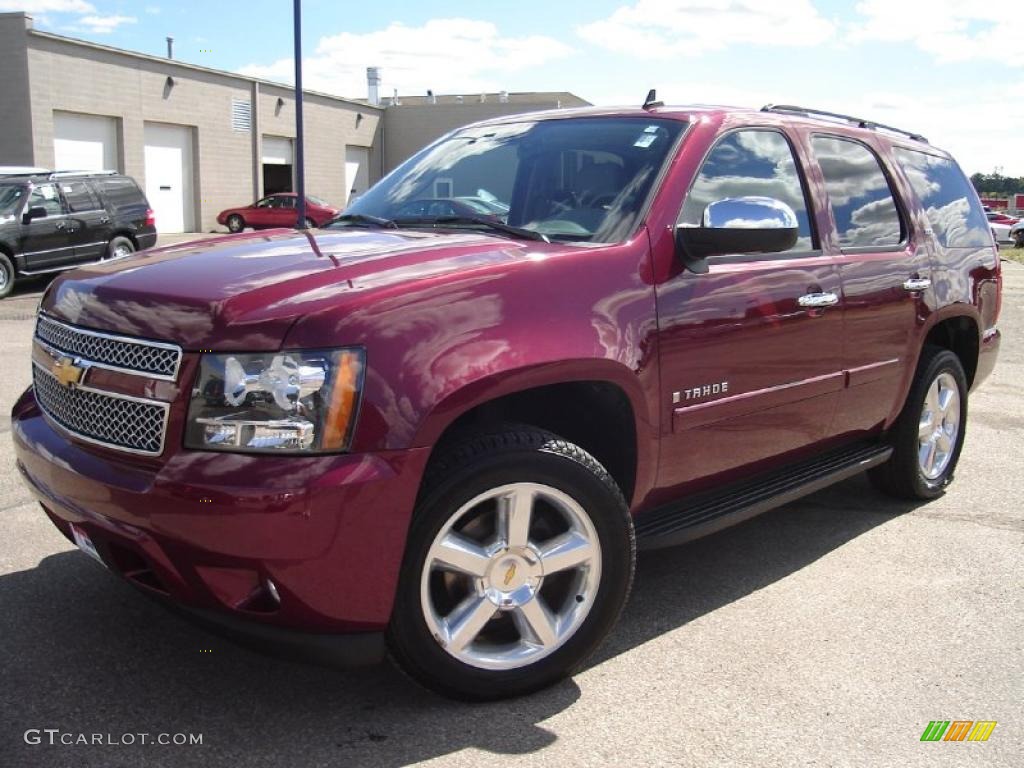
(710, 511)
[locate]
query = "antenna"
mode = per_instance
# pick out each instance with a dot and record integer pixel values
(652, 100)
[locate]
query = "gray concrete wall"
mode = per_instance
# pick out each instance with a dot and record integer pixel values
(15, 116)
(410, 127)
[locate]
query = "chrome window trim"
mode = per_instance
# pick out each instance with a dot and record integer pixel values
(117, 338)
(165, 407)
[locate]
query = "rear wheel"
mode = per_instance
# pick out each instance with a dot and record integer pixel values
(929, 433)
(1018, 238)
(519, 561)
(120, 247)
(6, 276)
(235, 223)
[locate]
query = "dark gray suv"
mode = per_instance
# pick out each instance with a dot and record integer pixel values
(54, 221)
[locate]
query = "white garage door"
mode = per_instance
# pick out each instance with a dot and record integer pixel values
(277, 150)
(168, 150)
(84, 142)
(357, 171)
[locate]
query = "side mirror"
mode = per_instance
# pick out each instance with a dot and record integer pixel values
(33, 213)
(737, 225)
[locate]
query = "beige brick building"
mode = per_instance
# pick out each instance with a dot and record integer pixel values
(200, 140)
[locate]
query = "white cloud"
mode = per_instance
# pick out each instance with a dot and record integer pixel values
(104, 25)
(666, 29)
(446, 55)
(47, 6)
(950, 30)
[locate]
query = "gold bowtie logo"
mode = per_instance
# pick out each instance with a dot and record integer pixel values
(66, 372)
(510, 574)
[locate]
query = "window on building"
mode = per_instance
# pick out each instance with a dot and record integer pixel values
(746, 163)
(863, 206)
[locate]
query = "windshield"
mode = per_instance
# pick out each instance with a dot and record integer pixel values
(577, 179)
(11, 196)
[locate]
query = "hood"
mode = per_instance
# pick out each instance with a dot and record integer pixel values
(243, 292)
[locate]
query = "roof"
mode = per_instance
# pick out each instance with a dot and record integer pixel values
(768, 114)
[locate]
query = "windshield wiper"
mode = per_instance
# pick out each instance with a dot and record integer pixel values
(497, 226)
(358, 219)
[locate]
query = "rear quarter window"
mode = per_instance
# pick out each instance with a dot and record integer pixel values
(949, 201)
(121, 192)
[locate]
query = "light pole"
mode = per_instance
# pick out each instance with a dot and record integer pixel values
(300, 169)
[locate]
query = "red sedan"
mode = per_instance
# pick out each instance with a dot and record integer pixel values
(277, 211)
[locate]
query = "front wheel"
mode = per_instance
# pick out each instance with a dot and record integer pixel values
(1018, 238)
(520, 559)
(929, 433)
(235, 223)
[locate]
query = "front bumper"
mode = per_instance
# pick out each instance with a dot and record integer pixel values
(209, 532)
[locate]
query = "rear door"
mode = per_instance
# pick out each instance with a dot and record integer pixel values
(46, 242)
(88, 222)
(753, 371)
(885, 272)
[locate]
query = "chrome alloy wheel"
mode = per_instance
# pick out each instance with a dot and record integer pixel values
(4, 277)
(123, 250)
(511, 576)
(939, 427)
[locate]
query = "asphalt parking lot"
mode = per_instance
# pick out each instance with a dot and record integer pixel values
(827, 633)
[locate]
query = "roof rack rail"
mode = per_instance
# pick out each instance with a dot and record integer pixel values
(69, 174)
(858, 121)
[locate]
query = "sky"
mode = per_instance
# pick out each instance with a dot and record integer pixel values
(948, 69)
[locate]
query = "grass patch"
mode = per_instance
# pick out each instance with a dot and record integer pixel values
(1011, 253)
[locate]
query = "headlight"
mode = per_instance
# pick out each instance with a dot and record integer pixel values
(278, 402)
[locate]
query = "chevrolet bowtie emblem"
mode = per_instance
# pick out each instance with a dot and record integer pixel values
(510, 574)
(66, 372)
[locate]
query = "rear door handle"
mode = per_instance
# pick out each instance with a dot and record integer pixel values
(915, 284)
(818, 300)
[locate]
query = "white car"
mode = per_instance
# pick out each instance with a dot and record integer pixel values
(1001, 232)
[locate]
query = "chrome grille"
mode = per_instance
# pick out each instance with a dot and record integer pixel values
(148, 358)
(130, 424)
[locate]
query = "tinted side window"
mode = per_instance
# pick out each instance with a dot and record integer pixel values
(952, 207)
(46, 196)
(750, 163)
(79, 197)
(120, 192)
(862, 202)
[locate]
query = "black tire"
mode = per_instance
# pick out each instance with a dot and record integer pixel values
(511, 454)
(235, 223)
(903, 476)
(310, 224)
(6, 276)
(120, 246)
(1018, 239)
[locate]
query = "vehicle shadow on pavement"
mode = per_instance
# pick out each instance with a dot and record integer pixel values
(82, 652)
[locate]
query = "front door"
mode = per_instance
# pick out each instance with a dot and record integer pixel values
(751, 352)
(46, 242)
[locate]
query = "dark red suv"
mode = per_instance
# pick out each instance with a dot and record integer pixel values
(446, 436)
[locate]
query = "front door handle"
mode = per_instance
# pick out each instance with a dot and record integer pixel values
(915, 284)
(818, 300)
(104, 220)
